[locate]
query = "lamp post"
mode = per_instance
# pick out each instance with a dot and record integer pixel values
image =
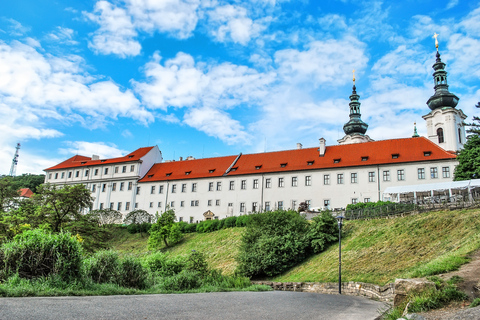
(340, 223)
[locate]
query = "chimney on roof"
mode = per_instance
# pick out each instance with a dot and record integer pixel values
(322, 147)
(180, 159)
(95, 157)
(190, 158)
(299, 146)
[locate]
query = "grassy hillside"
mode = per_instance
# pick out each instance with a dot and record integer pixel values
(374, 251)
(378, 251)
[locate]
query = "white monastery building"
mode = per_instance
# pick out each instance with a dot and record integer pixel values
(358, 169)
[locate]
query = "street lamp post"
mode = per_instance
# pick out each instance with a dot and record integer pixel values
(340, 223)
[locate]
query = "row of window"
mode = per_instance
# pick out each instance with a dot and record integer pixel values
(119, 206)
(87, 171)
(114, 187)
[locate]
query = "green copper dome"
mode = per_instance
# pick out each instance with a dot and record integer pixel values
(355, 125)
(442, 97)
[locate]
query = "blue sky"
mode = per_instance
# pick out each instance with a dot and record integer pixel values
(207, 78)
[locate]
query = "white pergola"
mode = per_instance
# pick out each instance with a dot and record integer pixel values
(445, 189)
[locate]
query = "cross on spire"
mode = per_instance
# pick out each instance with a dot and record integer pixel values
(435, 35)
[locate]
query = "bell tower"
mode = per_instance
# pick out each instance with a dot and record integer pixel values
(445, 123)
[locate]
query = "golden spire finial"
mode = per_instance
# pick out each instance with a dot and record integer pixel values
(353, 76)
(435, 35)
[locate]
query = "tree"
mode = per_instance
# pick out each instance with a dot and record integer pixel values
(166, 230)
(8, 194)
(469, 158)
(62, 204)
(322, 231)
(138, 217)
(107, 216)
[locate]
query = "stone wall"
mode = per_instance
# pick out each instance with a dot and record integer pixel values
(385, 293)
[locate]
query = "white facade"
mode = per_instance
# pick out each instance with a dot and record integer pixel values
(446, 128)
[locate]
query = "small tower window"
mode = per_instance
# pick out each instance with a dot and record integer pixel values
(459, 135)
(440, 135)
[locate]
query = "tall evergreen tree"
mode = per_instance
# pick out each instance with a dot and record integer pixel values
(469, 158)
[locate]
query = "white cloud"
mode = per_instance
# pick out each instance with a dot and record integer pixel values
(403, 62)
(62, 36)
(88, 149)
(452, 3)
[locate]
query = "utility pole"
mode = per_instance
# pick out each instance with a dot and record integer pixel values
(13, 168)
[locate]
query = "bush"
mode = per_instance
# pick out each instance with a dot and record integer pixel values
(322, 231)
(230, 222)
(185, 280)
(242, 221)
(162, 264)
(35, 253)
(190, 227)
(131, 273)
(272, 243)
(220, 225)
(102, 267)
(197, 262)
(139, 228)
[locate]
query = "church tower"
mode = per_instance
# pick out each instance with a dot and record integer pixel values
(445, 125)
(355, 128)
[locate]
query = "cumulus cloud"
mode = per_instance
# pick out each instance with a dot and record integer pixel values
(88, 149)
(63, 36)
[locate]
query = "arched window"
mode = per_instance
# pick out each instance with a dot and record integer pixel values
(459, 135)
(440, 135)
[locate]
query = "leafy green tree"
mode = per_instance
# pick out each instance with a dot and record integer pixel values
(8, 194)
(165, 230)
(272, 242)
(469, 160)
(27, 180)
(58, 205)
(322, 231)
(138, 217)
(107, 216)
(475, 125)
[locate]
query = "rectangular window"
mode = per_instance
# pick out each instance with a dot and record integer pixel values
(94, 187)
(152, 190)
(172, 204)
(49, 176)
(243, 185)
(421, 173)
(77, 174)
(160, 189)
(267, 205)
(400, 175)
(326, 203)
(268, 183)
(280, 205)
(127, 206)
(86, 173)
(122, 184)
(209, 203)
(308, 202)
(255, 183)
(308, 181)
(242, 206)
(159, 204)
(386, 175)
(353, 178)
(116, 169)
(326, 179)
(371, 176)
(219, 186)
(210, 186)
(354, 200)
(105, 171)
(434, 173)
(138, 190)
(130, 186)
(56, 175)
(217, 202)
(194, 187)
(294, 181)
(119, 206)
(232, 185)
(114, 186)
(101, 206)
(151, 204)
(174, 188)
(132, 168)
(136, 205)
(95, 173)
(366, 200)
(69, 175)
(294, 204)
(254, 206)
(184, 187)
(63, 175)
(281, 182)
(104, 187)
(124, 169)
(340, 178)
(446, 172)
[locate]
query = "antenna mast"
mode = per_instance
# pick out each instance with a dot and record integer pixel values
(13, 168)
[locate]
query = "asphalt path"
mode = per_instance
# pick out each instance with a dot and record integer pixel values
(212, 306)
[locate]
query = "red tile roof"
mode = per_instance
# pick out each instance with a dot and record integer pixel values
(81, 161)
(189, 169)
(26, 193)
(337, 156)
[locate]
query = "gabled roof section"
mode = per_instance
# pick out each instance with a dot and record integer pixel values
(82, 161)
(197, 168)
(25, 193)
(338, 156)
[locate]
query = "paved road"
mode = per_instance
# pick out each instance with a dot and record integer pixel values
(212, 306)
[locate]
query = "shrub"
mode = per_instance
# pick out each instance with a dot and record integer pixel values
(139, 228)
(230, 222)
(185, 280)
(322, 231)
(102, 267)
(131, 273)
(163, 264)
(272, 243)
(196, 262)
(35, 253)
(242, 221)
(220, 225)
(190, 227)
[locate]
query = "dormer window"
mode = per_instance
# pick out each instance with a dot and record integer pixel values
(169, 174)
(234, 169)
(395, 156)
(83, 162)
(309, 163)
(364, 158)
(187, 172)
(150, 175)
(103, 160)
(427, 153)
(337, 160)
(258, 167)
(283, 165)
(130, 156)
(211, 171)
